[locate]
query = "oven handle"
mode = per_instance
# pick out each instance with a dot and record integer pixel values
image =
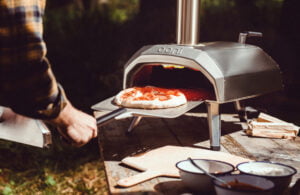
(102, 120)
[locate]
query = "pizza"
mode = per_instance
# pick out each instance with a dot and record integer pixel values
(150, 97)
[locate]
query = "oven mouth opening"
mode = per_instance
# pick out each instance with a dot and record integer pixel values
(172, 76)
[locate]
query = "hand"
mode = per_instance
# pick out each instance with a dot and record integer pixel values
(8, 116)
(75, 126)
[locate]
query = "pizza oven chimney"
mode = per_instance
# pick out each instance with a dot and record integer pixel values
(188, 22)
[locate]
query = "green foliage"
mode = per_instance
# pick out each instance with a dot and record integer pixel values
(50, 181)
(122, 11)
(7, 190)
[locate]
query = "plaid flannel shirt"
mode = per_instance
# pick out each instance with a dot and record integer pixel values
(27, 84)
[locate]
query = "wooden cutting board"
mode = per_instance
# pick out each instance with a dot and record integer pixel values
(162, 161)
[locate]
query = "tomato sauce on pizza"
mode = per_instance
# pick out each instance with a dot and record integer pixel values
(150, 93)
(150, 97)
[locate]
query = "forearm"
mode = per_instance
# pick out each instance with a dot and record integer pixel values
(27, 83)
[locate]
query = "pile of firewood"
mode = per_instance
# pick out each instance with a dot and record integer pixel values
(271, 127)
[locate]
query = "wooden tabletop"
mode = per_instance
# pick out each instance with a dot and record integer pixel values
(191, 130)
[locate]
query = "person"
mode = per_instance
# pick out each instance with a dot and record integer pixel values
(27, 83)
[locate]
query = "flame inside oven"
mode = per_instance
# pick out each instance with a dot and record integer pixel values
(174, 76)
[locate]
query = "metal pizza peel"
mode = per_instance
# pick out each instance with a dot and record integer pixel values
(118, 112)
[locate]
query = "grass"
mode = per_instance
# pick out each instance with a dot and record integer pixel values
(59, 169)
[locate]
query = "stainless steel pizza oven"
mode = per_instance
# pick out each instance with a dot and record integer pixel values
(231, 71)
(236, 71)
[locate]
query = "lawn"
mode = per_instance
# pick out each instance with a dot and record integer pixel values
(59, 169)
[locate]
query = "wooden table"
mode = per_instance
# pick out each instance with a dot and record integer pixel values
(188, 130)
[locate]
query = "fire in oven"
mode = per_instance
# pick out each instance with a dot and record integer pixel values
(190, 81)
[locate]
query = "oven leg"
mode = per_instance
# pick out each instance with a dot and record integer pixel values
(135, 121)
(245, 112)
(241, 111)
(214, 124)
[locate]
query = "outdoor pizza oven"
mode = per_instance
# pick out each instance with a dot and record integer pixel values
(235, 71)
(230, 71)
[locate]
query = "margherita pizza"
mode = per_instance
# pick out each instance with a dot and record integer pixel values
(150, 97)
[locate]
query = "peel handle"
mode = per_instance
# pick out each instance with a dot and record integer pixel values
(110, 116)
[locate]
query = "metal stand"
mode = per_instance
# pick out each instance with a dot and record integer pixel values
(214, 123)
(241, 111)
(135, 121)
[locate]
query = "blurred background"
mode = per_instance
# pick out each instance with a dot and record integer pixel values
(89, 41)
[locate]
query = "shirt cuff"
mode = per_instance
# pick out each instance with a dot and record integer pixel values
(53, 109)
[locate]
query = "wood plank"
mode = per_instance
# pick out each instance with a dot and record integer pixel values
(291, 147)
(275, 150)
(113, 140)
(231, 124)
(116, 144)
(190, 129)
(151, 129)
(154, 133)
(234, 147)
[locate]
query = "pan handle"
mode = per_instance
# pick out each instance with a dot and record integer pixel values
(110, 116)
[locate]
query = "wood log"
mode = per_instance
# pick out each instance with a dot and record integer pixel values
(282, 127)
(271, 127)
(262, 117)
(269, 133)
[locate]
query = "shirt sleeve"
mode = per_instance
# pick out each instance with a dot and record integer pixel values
(27, 84)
